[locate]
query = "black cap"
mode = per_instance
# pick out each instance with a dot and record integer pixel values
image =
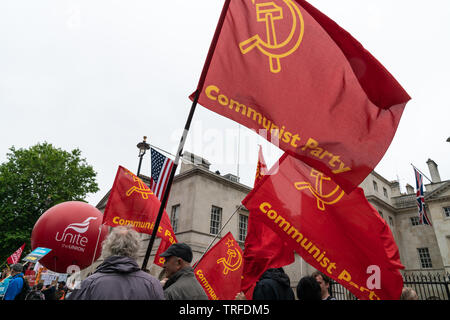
(180, 250)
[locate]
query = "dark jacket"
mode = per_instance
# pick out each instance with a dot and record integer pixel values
(119, 278)
(183, 285)
(274, 284)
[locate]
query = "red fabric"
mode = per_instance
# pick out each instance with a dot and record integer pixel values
(132, 202)
(341, 235)
(15, 257)
(163, 246)
(219, 272)
(262, 249)
(334, 105)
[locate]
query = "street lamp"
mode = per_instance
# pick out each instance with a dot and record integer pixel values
(143, 147)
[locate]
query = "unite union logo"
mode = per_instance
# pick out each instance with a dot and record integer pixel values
(72, 237)
(275, 49)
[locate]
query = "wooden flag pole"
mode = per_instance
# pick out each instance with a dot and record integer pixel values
(185, 132)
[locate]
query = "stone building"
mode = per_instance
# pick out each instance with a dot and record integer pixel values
(202, 201)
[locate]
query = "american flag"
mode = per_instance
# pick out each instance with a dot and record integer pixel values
(423, 217)
(161, 168)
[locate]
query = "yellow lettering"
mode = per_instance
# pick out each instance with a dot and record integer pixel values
(344, 275)
(265, 205)
(310, 144)
(209, 90)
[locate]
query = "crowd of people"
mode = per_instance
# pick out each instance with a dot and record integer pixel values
(120, 278)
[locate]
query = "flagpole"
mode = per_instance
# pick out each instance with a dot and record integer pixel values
(217, 235)
(422, 173)
(96, 245)
(185, 132)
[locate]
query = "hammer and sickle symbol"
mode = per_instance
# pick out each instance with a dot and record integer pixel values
(232, 253)
(322, 199)
(140, 188)
(269, 12)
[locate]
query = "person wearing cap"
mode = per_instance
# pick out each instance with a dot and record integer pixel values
(181, 283)
(16, 283)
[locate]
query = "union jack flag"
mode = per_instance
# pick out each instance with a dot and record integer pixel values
(423, 217)
(161, 168)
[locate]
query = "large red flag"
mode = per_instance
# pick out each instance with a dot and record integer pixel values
(292, 74)
(263, 248)
(132, 202)
(15, 257)
(219, 272)
(341, 235)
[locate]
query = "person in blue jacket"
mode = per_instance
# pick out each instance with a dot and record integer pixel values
(16, 283)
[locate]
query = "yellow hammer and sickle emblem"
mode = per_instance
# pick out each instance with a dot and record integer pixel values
(269, 12)
(228, 266)
(322, 199)
(141, 188)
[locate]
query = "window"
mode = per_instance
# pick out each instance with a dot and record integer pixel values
(385, 192)
(415, 221)
(375, 186)
(243, 223)
(447, 212)
(381, 213)
(391, 221)
(174, 217)
(216, 220)
(424, 257)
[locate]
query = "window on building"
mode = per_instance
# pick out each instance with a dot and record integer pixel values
(415, 221)
(243, 223)
(391, 221)
(375, 186)
(216, 220)
(447, 212)
(174, 217)
(425, 258)
(381, 213)
(385, 192)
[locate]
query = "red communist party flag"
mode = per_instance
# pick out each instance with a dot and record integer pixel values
(287, 71)
(163, 246)
(132, 202)
(262, 249)
(219, 272)
(341, 235)
(15, 257)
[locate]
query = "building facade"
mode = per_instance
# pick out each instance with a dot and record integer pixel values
(203, 202)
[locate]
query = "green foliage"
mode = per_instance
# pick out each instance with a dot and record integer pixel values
(34, 180)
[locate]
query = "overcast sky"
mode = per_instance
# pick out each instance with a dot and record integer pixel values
(98, 75)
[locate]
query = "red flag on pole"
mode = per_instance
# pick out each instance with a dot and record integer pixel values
(219, 272)
(263, 248)
(15, 257)
(132, 202)
(341, 235)
(163, 246)
(289, 72)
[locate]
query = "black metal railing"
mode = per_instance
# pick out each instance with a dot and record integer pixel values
(429, 286)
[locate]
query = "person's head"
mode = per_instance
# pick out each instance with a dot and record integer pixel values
(308, 289)
(16, 269)
(177, 257)
(409, 294)
(61, 285)
(324, 283)
(122, 241)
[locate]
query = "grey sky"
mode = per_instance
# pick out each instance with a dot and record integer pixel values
(100, 74)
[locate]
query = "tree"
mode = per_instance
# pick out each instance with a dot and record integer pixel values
(34, 180)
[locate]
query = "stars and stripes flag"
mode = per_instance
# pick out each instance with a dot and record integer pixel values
(423, 217)
(161, 168)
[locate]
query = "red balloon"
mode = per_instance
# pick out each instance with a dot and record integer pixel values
(71, 230)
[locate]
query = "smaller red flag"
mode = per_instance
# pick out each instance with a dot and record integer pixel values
(220, 270)
(15, 257)
(132, 202)
(341, 235)
(263, 249)
(163, 246)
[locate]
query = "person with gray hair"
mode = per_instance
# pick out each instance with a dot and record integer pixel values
(119, 276)
(409, 293)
